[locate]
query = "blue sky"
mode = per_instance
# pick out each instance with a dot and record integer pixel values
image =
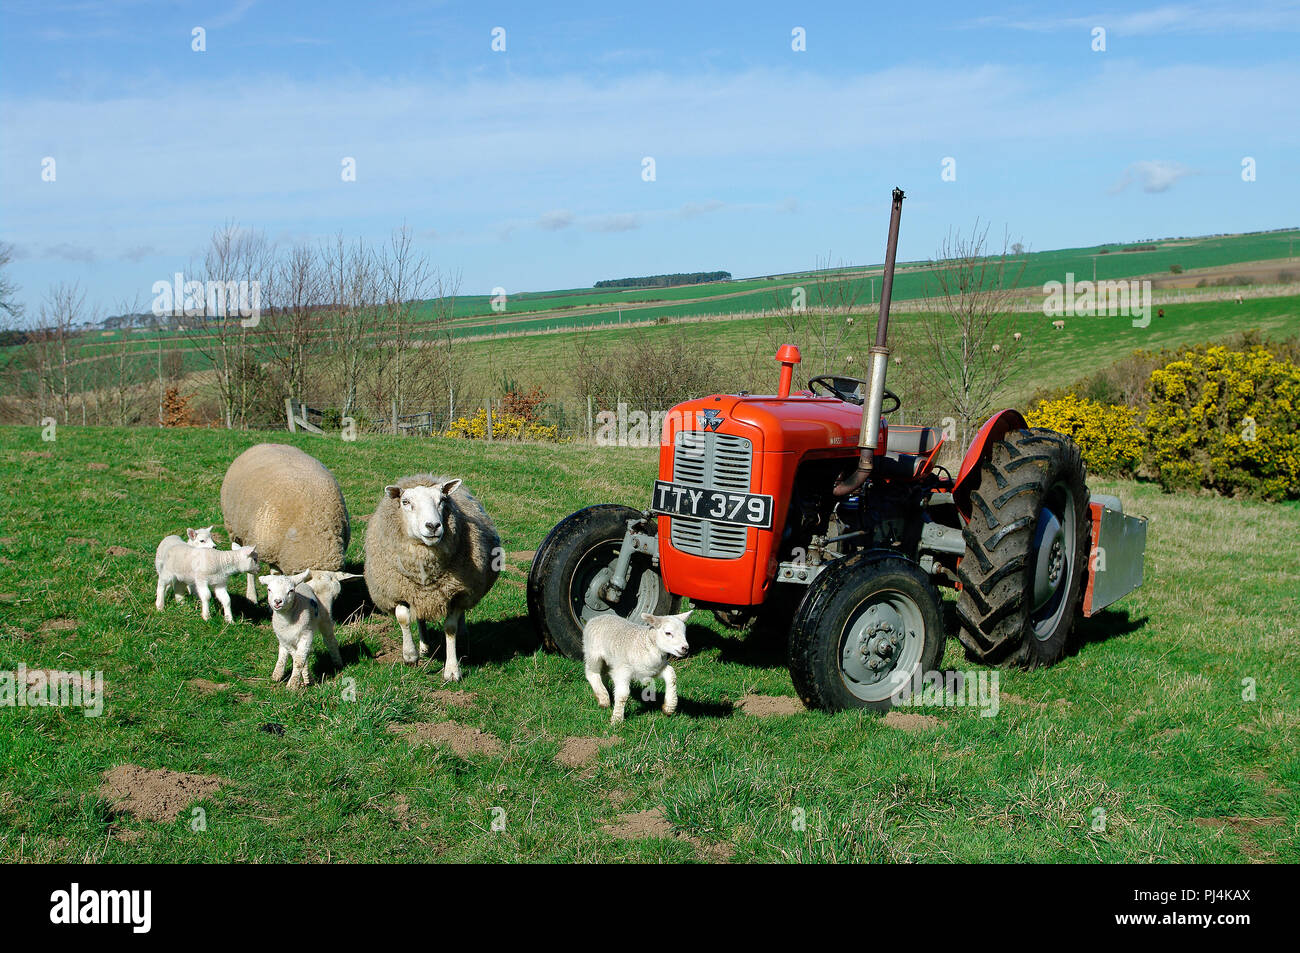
(523, 168)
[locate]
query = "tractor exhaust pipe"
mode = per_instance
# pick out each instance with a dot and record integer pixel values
(869, 436)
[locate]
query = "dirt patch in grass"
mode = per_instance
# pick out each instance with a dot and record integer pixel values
(59, 625)
(448, 696)
(642, 824)
(463, 740)
(96, 466)
(766, 706)
(155, 795)
(37, 454)
(121, 551)
(905, 721)
(81, 541)
(522, 555)
(580, 752)
(205, 687)
(1238, 823)
(652, 823)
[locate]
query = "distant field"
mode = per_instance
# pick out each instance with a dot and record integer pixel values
(1136, 748)
(473, 315)
(745, 347)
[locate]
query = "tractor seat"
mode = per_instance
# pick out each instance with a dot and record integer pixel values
(902, 438)
(907, 449)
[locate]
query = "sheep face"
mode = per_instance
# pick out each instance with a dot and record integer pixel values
(423, 509)
(245, 558)
(280, 593)
(202, 538)
(669, 633)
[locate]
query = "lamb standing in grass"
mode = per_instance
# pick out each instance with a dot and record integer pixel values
(199, 538)
(201, 570)
(432, 552)
(297, 615)
(633, 652)
(288, 505)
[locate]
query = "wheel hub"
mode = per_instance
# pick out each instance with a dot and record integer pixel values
(1049, 569)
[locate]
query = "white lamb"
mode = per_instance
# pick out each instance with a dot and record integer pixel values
(297, 615)
(200, 570)
(633, 652)
(200, 538)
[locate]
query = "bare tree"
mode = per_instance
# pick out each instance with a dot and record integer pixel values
(10, 310)
(967, 345)
(289, 325)
(405, 278)
(234, 255)
(50, 343)
(352, 314)
(821, 316)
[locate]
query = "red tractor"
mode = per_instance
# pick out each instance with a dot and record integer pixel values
(760, 515)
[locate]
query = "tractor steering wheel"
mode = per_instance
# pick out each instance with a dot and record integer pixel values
(841, 387)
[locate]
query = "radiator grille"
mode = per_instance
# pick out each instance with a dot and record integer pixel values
(717, 462)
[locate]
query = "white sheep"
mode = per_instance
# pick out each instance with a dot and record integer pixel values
(297, 616)
(287, 504)
(201, 538)
(201, 570)
(632, 652)
(432, 552)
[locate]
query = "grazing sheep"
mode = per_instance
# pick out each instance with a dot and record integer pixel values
(432, 552)
(1059, 325)
(201, 570)
(632, 652)
(297, 615)
(288, 505)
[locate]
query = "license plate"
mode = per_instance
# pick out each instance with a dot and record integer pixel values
(715, 506)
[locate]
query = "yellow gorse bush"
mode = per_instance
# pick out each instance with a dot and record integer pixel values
(505, 426)
(1107, 434)
(1226, 419)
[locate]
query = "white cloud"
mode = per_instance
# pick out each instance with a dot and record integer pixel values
(555, 220)
(1154, 175)
(1199, 18)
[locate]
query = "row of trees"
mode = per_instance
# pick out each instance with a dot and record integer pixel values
(665, 281)
(360, 328)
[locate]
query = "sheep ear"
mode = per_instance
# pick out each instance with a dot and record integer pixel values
(211, 528)
(684, 615)
(652, 619)
(191, 533)
(450, 486)
(301, 577)
(264, 580)
(393, 492)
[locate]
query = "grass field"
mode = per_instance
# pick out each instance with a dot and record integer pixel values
(1144, 727)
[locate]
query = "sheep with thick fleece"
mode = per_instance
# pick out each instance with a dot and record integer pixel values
(632, 652)
(202, 570)
(288, 505)
(298, 615)
(432, 552)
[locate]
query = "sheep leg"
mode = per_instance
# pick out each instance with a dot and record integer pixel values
(410, 654)
(250, 590)
(302, 662)
(224, 598)
(597, 683)
(205, 600)
(454, 625)
(670, 690)
(162, 592)
(622, 688)
(277, 673)
(422, 639)
(331, 643)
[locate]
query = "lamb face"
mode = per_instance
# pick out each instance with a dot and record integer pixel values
(423, 510)
(280, 595)
(245, 558)
(669, 633)
(201, 538)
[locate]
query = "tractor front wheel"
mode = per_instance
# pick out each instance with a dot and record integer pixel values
(869, 626)
(1027, 546)
(566, 585)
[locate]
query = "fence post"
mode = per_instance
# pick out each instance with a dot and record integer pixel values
(589, 437)
(288, 412)
(394, 409)
(489, 424)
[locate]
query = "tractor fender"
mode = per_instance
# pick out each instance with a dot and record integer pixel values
(994, 429)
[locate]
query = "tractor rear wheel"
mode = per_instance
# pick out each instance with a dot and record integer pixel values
(1027, 544)
(571, 568)
(869, 625)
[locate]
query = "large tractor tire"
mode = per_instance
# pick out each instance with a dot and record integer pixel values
(571, 567)
(1027, 545)
(869, 625)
